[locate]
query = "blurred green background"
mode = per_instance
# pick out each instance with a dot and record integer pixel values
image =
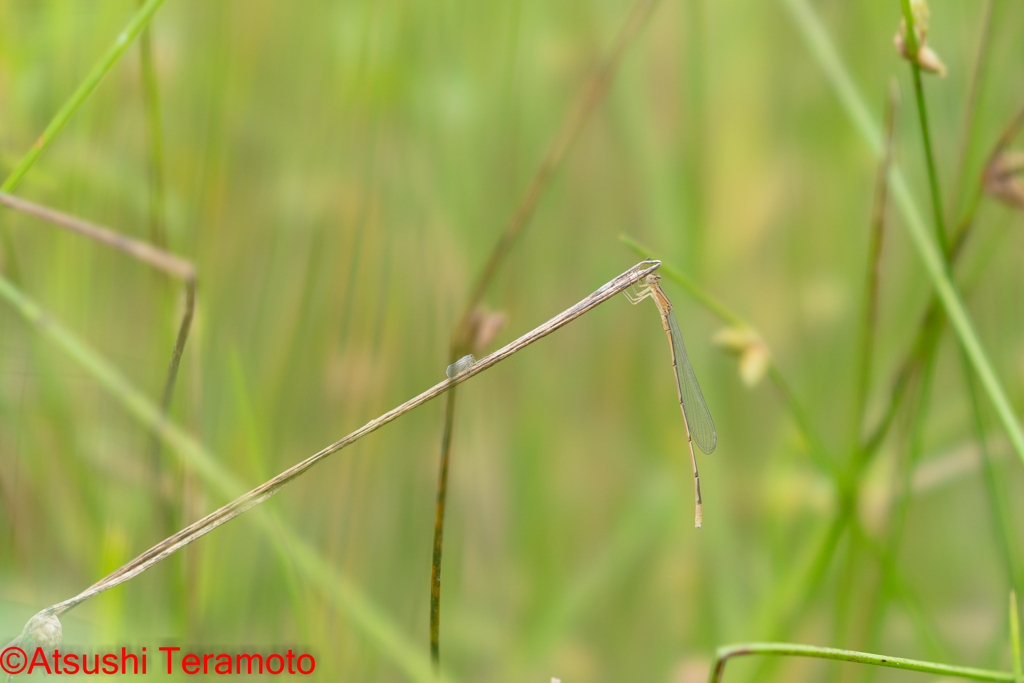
(339, 173)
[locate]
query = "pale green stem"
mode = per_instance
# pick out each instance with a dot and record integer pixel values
(724, 654)
(922, 112)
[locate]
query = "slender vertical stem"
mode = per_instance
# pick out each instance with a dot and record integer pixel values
(463, 336)
(170, 380)
(435, 565)
(922, 112)
(967, 136)
(151, 94)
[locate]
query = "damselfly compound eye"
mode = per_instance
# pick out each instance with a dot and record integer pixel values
(460, 365)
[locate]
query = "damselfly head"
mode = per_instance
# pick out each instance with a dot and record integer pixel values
(652, 279)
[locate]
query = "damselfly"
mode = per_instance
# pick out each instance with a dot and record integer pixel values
(696, 418)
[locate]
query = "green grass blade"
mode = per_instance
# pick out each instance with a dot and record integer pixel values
(724, 654)
(113, 53)
(823, 50)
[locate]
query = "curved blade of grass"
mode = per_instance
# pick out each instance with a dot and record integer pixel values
(365, 616)
(724, 654)
(107, 61)
(824, 51)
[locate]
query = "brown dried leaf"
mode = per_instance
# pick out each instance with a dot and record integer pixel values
(1002, 178)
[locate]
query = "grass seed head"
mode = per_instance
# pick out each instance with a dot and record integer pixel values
(925, 57)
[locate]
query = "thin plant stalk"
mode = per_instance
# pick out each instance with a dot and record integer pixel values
(724, 654)
(464, 334)
(974, 94)
(151, 96)
(142, 251)
(922, 112)
(194, 453)
(435, 564)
